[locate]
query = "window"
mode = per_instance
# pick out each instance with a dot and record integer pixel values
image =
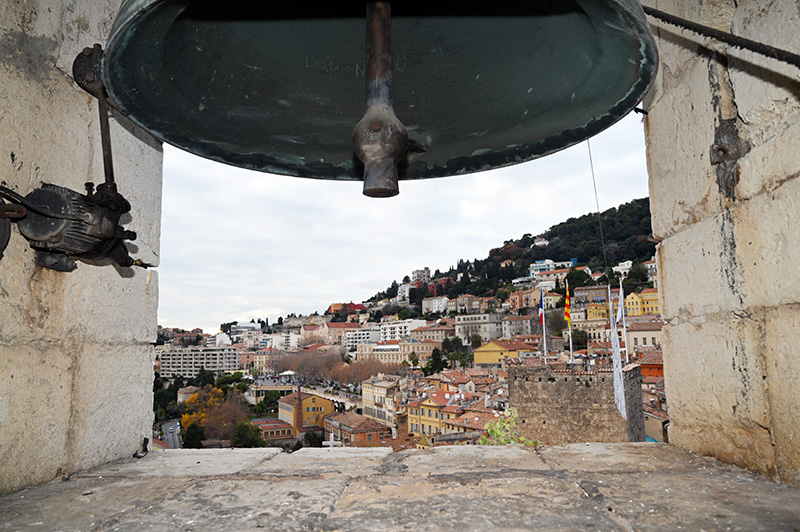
(369, 437)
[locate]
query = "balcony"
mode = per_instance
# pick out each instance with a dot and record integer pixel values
(572, 487)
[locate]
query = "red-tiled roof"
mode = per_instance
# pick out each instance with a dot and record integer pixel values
(358, 423)
(652, 358)
(656, 325)
(512, 345)
(343, 325)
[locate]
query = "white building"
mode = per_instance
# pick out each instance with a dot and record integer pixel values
(652, 269)
(488, 326)
(422, 276)
(547, 265)
(435, 304)
(397, 330)
(404, 290)
(363, 335)
(238, 330)
(285, 341)
(218, 340)
(519, 325)
(187, 361)
(623, 268)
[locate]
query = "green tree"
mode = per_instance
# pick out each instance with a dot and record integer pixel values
(580, 339)
(195, 434)
(578, 278)
(466, 358)
(269, 404)
(436, 363)
(476, 341)
(414, 359)
(204, 377)
(246, 434)
(404, 314)
(312, 439)
(556, 322)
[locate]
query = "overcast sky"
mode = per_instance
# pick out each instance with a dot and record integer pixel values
(237, 244)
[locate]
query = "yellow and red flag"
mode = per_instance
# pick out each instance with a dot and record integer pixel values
(566, 307)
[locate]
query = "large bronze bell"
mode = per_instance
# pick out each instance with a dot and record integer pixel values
(452, 87)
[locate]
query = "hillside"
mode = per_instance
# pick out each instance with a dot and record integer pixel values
(625, 228)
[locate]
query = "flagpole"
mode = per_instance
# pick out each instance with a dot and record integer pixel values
(543, 320)
(568, 312)
(621, 315)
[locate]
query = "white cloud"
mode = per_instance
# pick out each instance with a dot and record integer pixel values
(238, 244)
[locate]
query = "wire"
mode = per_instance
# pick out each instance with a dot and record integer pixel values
(728, 38)
(10, 195)
(597, 203)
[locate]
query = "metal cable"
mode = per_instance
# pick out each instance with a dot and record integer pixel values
(10, 195)
(728, 38)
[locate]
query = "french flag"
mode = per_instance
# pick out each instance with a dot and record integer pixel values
(541, 306)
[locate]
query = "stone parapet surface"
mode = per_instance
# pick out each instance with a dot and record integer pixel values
(622, 486)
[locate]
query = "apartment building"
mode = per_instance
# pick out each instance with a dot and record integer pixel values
(368, 333)
(380, 396)
(397, 330)
(187, 361)
(435, 304)
(488, 326)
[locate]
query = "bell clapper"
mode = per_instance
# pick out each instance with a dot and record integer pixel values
(380, 140)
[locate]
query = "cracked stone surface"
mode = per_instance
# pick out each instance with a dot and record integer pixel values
(612, 487)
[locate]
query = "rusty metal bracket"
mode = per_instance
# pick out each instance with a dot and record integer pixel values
(86, 70)
(728, 145)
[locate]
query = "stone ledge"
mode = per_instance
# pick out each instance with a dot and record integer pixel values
(567, 487)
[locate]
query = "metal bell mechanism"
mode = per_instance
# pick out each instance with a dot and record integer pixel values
(451, 87)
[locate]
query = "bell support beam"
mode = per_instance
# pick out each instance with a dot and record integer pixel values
(380, 140)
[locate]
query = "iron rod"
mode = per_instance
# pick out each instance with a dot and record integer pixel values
(379, 139)
(379, 54)
(105, 138)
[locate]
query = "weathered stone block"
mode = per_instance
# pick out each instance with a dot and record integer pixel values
(766, 89)
(680, 129)
(700, 271)
(782, 366)
(76, 343)
(35, 411)
(766, 252)
(716, 389)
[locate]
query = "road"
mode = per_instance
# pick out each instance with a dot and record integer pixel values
(172, 434)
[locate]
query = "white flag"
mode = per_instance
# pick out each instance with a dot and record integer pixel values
(621, 304)
(616, 357)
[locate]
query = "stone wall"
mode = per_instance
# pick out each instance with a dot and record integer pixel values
(75, 353)
(557, 408)
(723, 140)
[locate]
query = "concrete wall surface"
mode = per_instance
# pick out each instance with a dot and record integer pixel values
(76, 364)
(723, 138)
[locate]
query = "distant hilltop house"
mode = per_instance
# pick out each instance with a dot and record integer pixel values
(546, 265)
(421, 276)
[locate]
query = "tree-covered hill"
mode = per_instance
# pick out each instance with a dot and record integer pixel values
(625, 230)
